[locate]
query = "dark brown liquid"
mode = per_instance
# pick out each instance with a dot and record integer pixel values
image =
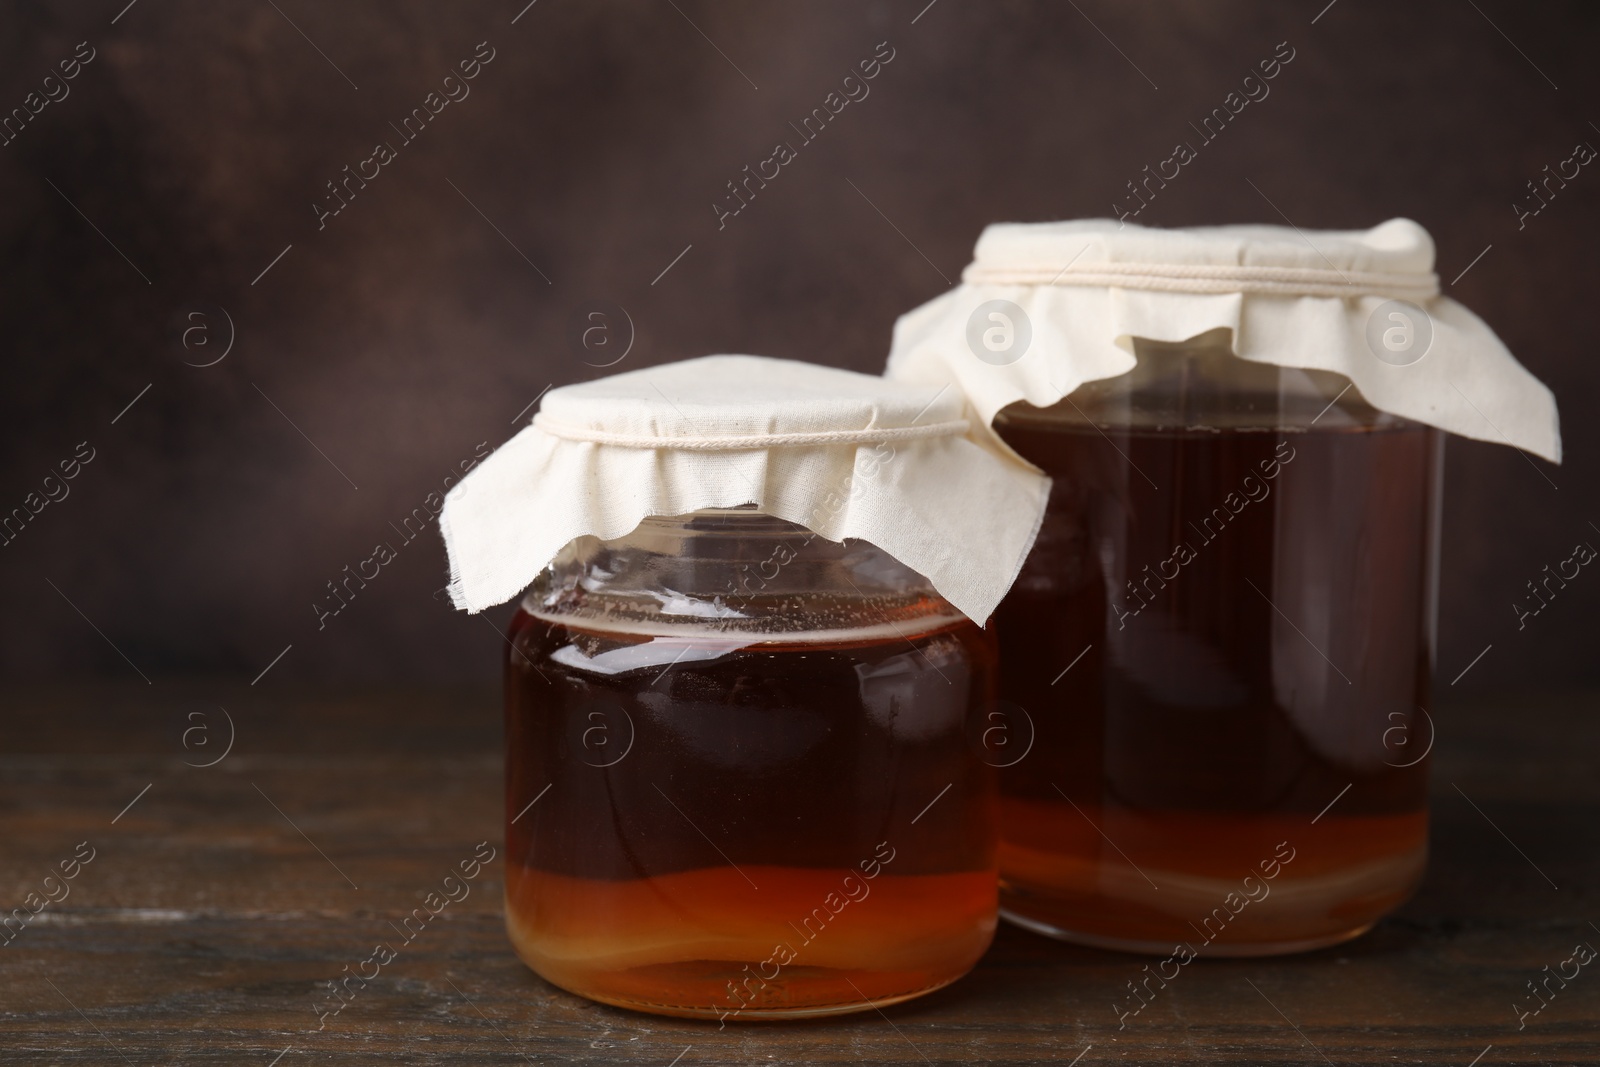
(1255, 610)
(726, 827)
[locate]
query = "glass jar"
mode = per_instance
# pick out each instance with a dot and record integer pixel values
(1224, 637)
(738, 777)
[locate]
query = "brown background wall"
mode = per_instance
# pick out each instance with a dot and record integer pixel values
(408, 330)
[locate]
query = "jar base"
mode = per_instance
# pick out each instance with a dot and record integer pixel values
(913, 934)
(1164, 948)
(1335, 885)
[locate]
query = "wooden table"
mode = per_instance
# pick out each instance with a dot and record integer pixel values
(223, 896)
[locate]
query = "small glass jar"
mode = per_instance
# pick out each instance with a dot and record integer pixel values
(1224, 637)
(738, 776)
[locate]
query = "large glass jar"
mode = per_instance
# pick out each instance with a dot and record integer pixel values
(1224, 638)
(739, 782)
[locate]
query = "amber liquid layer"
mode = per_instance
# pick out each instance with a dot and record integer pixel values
(1252, 612)
(727, 829)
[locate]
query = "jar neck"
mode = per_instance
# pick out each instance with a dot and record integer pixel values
(733, 570)
(1199, 384)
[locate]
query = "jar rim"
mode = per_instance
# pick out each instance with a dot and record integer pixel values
(735, 573)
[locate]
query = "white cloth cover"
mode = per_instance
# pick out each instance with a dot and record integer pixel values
(1289, 297)
(845, 455)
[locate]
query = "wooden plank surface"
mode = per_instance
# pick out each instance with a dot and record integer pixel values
(216, 905)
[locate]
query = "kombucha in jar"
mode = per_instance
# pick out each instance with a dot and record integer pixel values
(1224, 639)
(739, 777)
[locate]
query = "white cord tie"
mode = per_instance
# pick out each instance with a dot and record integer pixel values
(740, 442)
(1210, 278)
